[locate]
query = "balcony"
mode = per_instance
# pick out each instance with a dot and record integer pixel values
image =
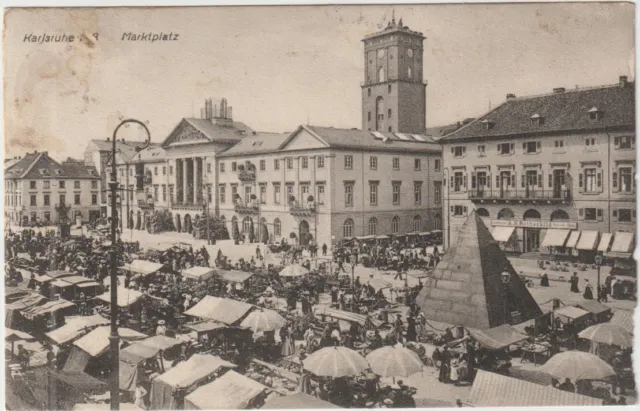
(145, 205)
(249, 208)
(529, 196)
(306, 210)
(188, 206)
(247, 176)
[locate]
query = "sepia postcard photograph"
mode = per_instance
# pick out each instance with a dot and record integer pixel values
(319, 206)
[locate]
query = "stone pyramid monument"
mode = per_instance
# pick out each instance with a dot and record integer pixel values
(467, 289)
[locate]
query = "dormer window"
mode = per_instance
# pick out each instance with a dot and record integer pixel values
(44, 172)
(536, 120)
(595, 113)
(487, 124)
(58, 171)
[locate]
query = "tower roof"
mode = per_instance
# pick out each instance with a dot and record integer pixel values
(466, 287)
(393, 27)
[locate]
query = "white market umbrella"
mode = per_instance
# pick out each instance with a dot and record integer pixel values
(262, 319)
(293, 270)
(607, 333)
(335, 362)
(396, 361)
(577, 365)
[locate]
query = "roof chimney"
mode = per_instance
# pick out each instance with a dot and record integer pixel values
(123, 140)
(623, 81)
(108, 138)
(510, 96)
(559, 90)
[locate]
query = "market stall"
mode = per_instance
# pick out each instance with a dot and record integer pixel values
(127, 297)
(75, 327)
(232, 391)
(198, 273)
(73, 286)
(599, 312)
(49, 315)
(143, 355)
(142, 268)
(224, 310)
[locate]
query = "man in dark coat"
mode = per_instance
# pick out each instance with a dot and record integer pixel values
(574, 283)
(445, 357)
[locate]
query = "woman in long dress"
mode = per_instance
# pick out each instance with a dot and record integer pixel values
(288, 344)
(588, 290)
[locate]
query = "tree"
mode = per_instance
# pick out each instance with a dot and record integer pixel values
(236, 231)
(265, 234)
(251, 232)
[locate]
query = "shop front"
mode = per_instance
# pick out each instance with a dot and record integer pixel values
(535, 232)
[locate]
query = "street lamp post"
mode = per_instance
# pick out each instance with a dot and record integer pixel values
(505, 277)
(598, 261)
(114, 387)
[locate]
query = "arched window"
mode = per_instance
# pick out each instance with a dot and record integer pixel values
(347, 228)
(437, 222)
(482, 212)
(559, 215)
(395, 225)
(246, 224)
(277, 227)
(531, 214)
(373, 226)
(505, 214)
(417, 223)
(409, 72)
(380, 74)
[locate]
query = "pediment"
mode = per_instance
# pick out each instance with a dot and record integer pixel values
(302, 139)
(185, 133)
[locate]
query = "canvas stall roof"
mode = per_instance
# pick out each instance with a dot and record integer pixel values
(136, 353)
(126, 296)
(198, 273)
(160, 342)
(61, 283)
(378, 283)
(96, 342)
(235, 276)
(142, 267)
(75, 327)
(593, 307)
(298, 400)
(502, 234)
(10, 334)
(605, 242)
(205, 326)
(588, 240)
(232, 391)
(571, 312)
(224, 310)
(498, 337)
(78, 380)
(47, 308)
(88, 284)
(346, 316)
(573, 239)
(27, 301)
(76, 279)
(195, 369)
(555, 238)
(59, 274)
(624, 319)
(495, 390)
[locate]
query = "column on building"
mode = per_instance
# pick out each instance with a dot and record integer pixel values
(196, 179)
(185, 184)
(178, 180)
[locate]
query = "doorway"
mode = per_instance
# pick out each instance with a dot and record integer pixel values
(531, 240)
(505, 183)
(558, 183)
(531, 178)
(303, 232)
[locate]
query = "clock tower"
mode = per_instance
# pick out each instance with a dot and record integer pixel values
(393, 91)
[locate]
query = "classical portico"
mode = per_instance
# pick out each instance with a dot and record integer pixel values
(189, 180)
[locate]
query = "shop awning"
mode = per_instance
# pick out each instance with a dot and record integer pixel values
(594, 307)
(205, 326)
(61, 284)
(298, 400)
(47, 308)
(622, 242)
(142, 267)
(198, 273)
(126, 296)
(235, 276)
(571, 312)
(224, 310)
(498, 337)
(502, 234)
(496, 390)
(75, 327)
(555, 238)
(605, 242)
(623, 318)
(588, 240)
(97, 341)
(573, 239)
(232, 391)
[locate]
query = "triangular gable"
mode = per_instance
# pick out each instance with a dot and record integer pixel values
(184, 133)
(43, 167)
(466, 287)
(303, 139)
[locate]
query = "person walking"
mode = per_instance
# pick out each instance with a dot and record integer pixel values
(324, 249)
(574, 283)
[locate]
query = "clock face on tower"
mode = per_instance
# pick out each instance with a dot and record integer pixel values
(380, 53)
(409, 52)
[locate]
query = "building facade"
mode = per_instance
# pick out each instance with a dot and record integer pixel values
(39, 190)
(554, 170)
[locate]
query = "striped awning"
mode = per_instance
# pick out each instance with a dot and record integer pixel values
(622, 242)
(573, 239)
(502, 234)
(588, 240)
(605, 242)
(555, 238)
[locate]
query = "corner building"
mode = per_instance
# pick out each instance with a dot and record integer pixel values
(548, 173)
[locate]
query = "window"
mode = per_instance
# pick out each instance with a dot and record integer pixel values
(222, 167)
(234, 166)
(276, 164)
(209, 193)
(234, 192)
(289, 192)
(171, 170)
(369, 115)
(347, 228)
(76, 185)
(624, 215)
(94, 199)
(289, 163)
(33, 200)
(437, 192)
(277, 227)
(46, 200)
(62, 199)
(590, 180)
(458, 181)
(348, 162)
(623, 143)
(590, 141)
(32, 185)
(416, 164)
(46, 184)
(436, 164)
(348, 194)
(164, 169)
(246, 224)
(320, 161)
(373, 226)
(531, 147)
(76, 199)
(395, 192)
(276, 193)
(395, 225)
(208, 168)
(417, 223)
(320, 195)
(458, 151)
(263, 193)
(164, 193)
(94, 185)
(222, 193)
(62, 184)
(373, 163)
(626, 179)
(305, 162)
(155, 171)
(121, 172)
(390, 129)
(481, 150)
(155, 192)
(380, 74)
(47, 216)
(409, 72)
(558, 144)
(505, 148)
(263, 165)
(417, 192)
(590, 214)
(459, 210)
(389, 91)
(388, 113)
(170, 190)
(373, 193)
(247, 194)
(304, 192)
(396, 163)
(369, 92)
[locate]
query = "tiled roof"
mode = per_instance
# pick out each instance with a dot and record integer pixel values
(126, 148)
(361, 139)
(78, 169)
(563, 111)
(257, 143)
(153, 153)
(466, 287)
(19, 168)
(220, 131)
(10, 162)
(36, 165)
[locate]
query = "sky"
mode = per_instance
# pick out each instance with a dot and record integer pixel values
(282, 66)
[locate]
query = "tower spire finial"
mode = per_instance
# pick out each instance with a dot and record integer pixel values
(393, 17)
